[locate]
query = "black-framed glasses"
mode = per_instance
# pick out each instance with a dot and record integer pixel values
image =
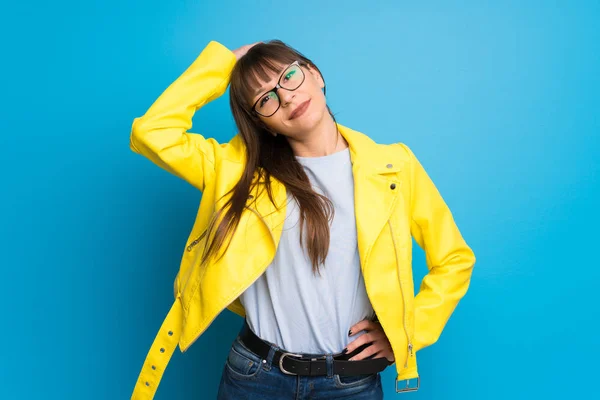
(291, 79)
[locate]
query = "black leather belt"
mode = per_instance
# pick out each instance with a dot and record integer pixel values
(301, 364)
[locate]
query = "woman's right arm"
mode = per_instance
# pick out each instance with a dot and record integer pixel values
(161, 134)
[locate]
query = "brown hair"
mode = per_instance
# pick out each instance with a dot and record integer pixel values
(270, 156)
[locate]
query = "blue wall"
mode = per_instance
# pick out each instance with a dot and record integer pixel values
(500, 101)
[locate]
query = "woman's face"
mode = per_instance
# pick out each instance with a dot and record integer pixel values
(300, 110)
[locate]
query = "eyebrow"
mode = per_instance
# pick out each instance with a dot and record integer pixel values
(258, 91)
(261, 90)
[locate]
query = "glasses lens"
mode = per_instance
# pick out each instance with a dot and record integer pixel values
(267, 104)
(292, 77)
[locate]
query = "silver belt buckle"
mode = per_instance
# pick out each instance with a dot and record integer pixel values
(281, 362)
(407, 388)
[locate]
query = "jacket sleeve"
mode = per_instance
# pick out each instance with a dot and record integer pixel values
(449, 260)
(161, 134)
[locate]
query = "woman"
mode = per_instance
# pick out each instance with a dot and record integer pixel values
(304, 229)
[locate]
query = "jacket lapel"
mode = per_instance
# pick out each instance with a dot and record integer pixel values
(376, 187)
(376, 190)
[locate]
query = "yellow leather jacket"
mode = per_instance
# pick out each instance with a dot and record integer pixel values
(394, 200)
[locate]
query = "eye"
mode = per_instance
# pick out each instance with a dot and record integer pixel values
(289, 75)
(264, 100)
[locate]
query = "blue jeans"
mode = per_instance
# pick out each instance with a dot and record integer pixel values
(246, 377)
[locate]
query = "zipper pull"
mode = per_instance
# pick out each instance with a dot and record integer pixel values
(410, 353)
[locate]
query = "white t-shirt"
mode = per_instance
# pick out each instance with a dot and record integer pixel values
(292, 307)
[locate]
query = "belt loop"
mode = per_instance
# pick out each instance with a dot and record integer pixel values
(329, 363)
(269, 361)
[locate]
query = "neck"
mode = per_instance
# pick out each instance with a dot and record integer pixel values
(321, 141)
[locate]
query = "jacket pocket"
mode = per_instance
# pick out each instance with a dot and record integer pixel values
(187, 265)
(195, 242)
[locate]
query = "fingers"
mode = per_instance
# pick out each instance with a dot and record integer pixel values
(374, 335)
(365, 324)
(369, 351)
(241, 51)
(365, 338)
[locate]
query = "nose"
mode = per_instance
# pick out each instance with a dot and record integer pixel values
(285, 96)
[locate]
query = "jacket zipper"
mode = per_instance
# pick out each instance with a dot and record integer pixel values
(239, 292)
(196, 241)
(408, 338)
(189, 248)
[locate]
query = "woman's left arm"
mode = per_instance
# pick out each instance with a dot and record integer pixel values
(449, 259)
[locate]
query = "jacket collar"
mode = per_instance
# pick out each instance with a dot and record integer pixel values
(372, 157)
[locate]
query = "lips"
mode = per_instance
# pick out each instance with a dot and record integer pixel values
(300, 110)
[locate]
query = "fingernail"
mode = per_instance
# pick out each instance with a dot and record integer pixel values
(350, 332)
(345, 351)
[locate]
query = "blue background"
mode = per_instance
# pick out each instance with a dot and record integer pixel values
(499, 100)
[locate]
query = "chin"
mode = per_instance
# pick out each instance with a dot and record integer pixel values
(311, 119)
